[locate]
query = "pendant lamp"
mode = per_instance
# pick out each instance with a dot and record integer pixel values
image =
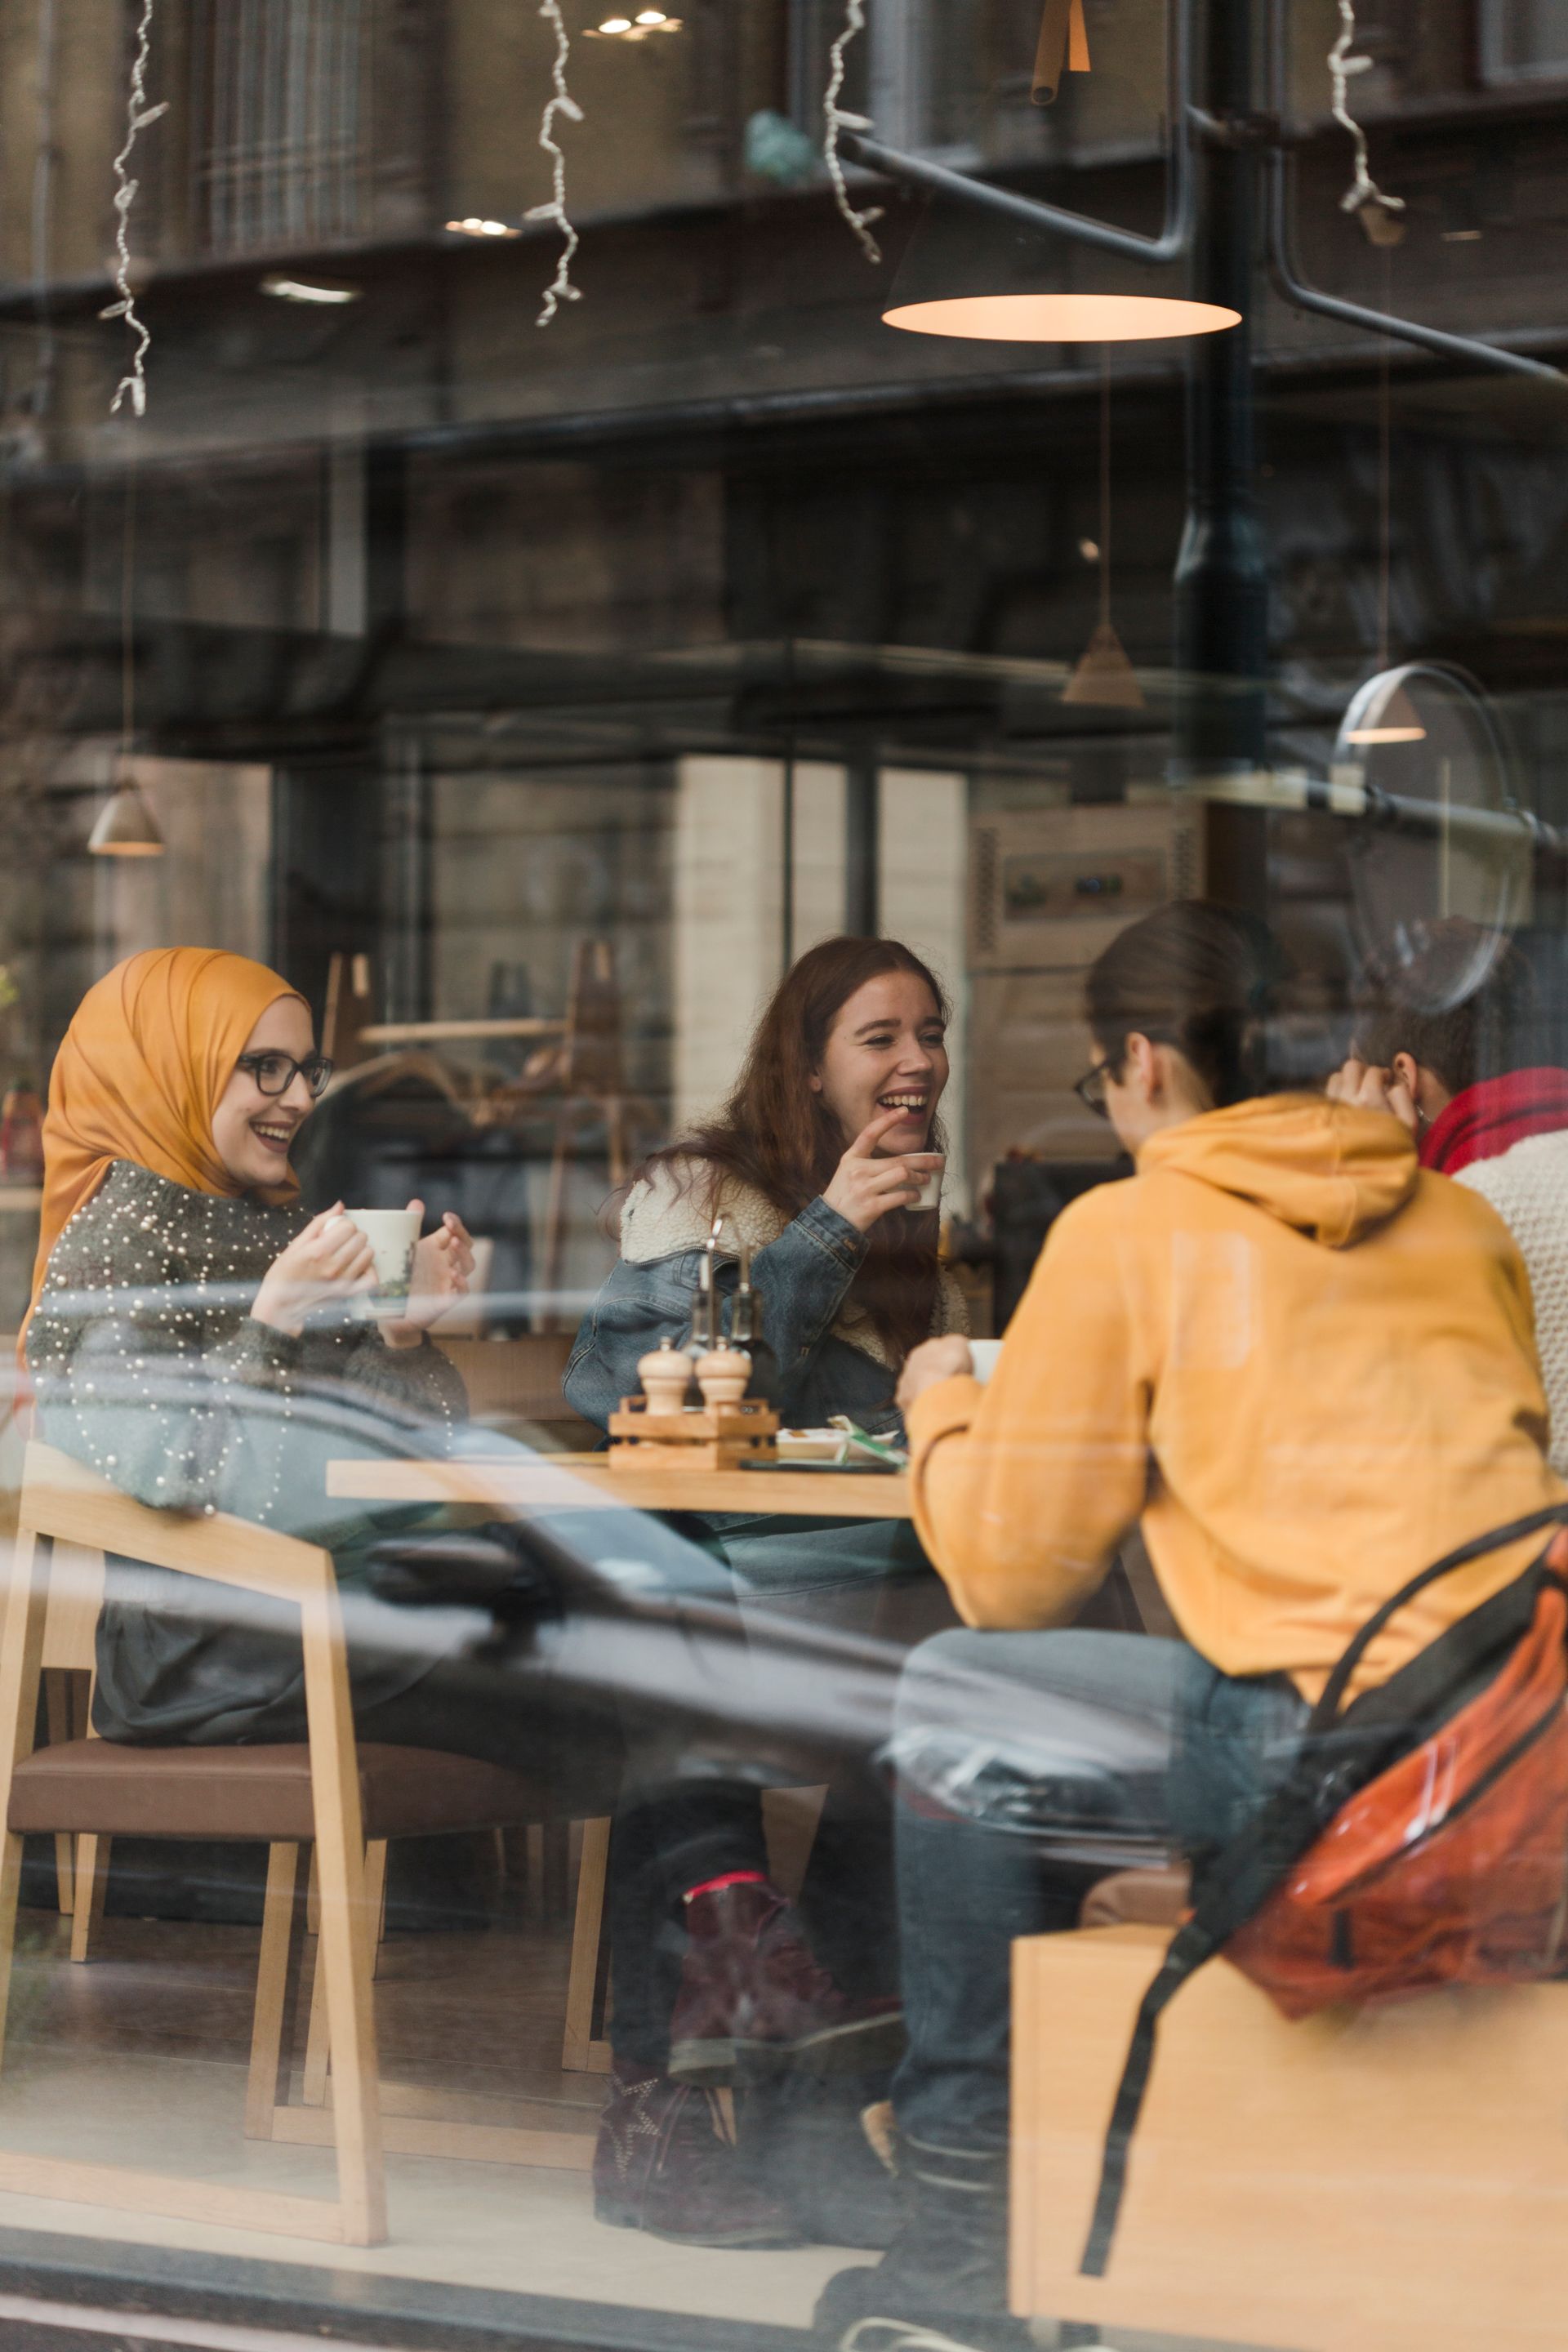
(1383, 712)
(126, 827)
(987, 278)
(1445, 835)
(1104, 677)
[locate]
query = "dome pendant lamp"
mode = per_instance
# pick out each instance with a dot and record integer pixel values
(990, 266)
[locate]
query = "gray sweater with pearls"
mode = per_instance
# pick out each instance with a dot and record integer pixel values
(149, 1368)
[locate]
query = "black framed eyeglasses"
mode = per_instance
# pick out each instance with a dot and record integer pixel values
(274, 1073)
(1090, 1088)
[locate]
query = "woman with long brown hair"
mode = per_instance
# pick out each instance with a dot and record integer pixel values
(818, 1162)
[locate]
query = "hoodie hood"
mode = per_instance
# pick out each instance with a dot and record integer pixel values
(1330, 1171)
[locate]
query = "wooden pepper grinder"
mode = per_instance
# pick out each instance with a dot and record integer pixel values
(723, 1374)
(665, 1375)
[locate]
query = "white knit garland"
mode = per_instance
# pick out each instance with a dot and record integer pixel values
(138, 115)
(560, 289)
(1363, 189)
(835, 119)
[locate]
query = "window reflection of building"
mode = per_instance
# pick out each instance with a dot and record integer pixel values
(280, 91)
(1522, 40)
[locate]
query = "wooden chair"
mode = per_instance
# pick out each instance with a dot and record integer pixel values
(81, 1863)
(1388, 2178)
(329, 1792)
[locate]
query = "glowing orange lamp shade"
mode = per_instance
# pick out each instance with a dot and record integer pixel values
(1061, 318)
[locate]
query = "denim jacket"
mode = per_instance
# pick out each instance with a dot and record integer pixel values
(802, 1279)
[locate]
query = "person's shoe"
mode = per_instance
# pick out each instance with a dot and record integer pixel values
(660, 2166)
(807, 2146)
(945, 2273)
(754, 1997)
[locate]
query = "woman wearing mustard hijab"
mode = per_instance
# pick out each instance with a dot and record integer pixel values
(193, 1336)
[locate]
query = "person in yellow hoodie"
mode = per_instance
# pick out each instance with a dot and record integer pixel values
(1306, 1368)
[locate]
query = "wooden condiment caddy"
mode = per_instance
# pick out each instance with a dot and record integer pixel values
(695, 1437)
(726, 1429)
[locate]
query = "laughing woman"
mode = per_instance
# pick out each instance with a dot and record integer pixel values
(818, 1162)
(195, 1338)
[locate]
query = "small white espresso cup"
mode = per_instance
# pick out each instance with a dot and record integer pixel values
(928, 1178)
(984, 1353)
(392, 1235)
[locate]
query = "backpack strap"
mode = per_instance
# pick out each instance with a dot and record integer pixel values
(1248, 1871)
(1326, 1710)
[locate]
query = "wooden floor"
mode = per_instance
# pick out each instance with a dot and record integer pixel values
(140, 2057)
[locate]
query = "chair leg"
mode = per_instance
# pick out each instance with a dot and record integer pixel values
(21, 1662)
(56, 1717)
(345, 1944)
(577, 2047)
(375, 1898)
(276, 1980)
(318, 2048)
(91, 1889)
(318, 2051)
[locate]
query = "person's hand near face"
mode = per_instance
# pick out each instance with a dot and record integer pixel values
(443, 1269)
(1366, 1088)
(883, 1072)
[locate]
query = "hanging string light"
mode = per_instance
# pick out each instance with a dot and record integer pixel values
(560, 288)
(1376, 211)
(835, 119)
(138, 115)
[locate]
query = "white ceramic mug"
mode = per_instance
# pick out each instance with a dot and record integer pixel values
(984, 1353)
(392, 1234)
(930, 1178)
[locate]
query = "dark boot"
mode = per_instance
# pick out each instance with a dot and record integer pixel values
(753, 1998)
(661, 2166)
(807, 2147)
(946, 2270)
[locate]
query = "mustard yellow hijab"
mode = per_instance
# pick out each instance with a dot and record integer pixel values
(141, 1072)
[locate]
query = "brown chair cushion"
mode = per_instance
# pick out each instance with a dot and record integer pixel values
(1139, 1898)
(96, 1785)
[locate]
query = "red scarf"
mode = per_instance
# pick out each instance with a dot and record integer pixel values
(1492, 1116)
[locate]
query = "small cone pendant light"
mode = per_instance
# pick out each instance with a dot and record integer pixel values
(1104, 676)
(126, 827)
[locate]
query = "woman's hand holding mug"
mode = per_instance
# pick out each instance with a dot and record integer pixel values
(329, 1261)
(864, 1188)
(443, 1268)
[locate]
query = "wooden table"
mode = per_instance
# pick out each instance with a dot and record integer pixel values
(566, 1481)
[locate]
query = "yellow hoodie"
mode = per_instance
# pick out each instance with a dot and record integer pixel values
(1307, 1366)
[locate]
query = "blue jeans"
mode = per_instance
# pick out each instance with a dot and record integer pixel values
(1029, 1766)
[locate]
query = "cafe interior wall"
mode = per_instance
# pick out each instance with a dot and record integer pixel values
(364, 533)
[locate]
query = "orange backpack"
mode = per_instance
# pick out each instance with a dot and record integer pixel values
(1420, 1838)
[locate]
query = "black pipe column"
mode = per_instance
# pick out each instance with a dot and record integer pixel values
(1221, 584)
